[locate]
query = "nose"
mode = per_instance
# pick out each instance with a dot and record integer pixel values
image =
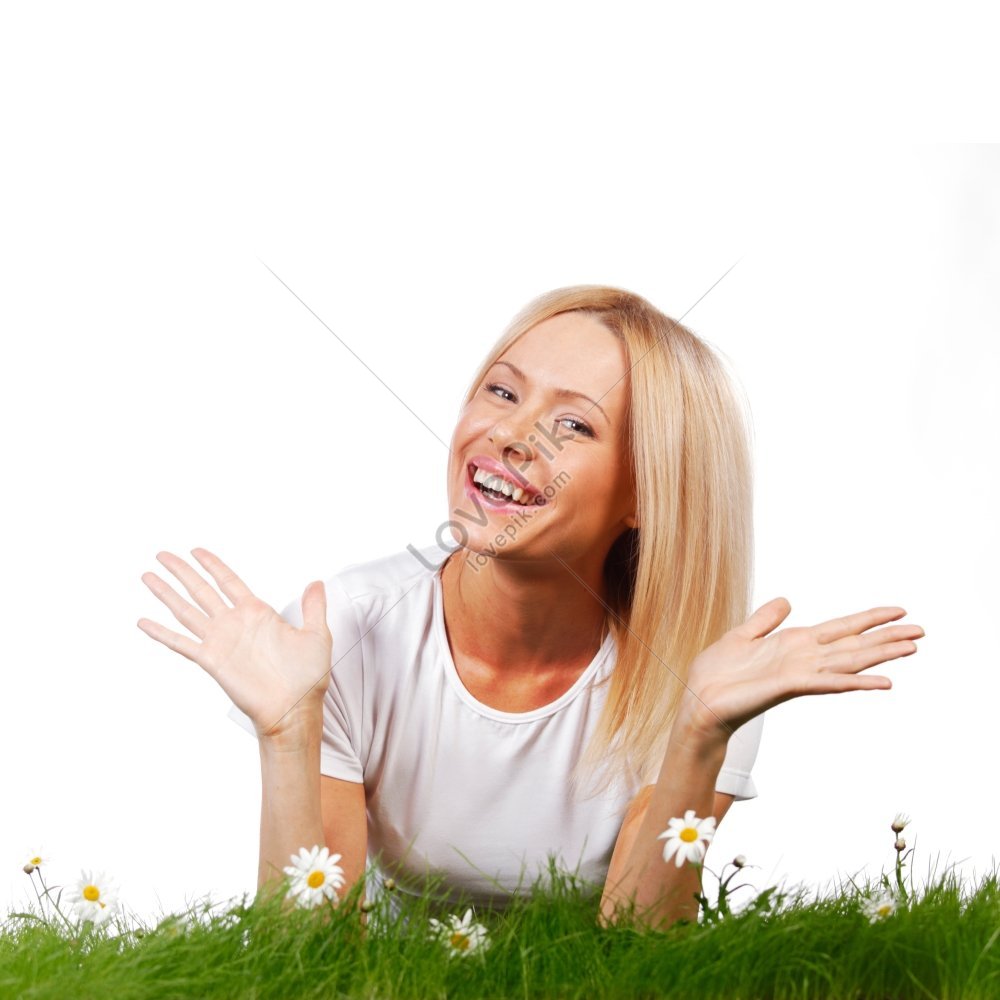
(511, 438)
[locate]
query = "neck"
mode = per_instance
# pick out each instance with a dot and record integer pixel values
(523, 617)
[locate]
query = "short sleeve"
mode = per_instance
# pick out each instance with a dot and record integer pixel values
(341, 751)
(741, 752)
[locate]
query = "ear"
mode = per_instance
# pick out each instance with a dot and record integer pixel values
(631, 521)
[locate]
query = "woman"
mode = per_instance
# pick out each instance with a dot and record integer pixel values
(579, 668)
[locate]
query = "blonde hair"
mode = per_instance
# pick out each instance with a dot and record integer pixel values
(683, 577)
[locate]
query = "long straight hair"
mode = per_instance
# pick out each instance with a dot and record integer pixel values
(684, 575)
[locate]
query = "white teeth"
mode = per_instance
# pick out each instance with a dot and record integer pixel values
(498, 483)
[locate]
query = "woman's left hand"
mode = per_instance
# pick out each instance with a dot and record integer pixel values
(749, 670)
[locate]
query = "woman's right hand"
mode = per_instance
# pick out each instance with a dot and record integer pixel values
(275, 673)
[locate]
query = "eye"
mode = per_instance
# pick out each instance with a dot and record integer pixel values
(584, 429)
(490, 386)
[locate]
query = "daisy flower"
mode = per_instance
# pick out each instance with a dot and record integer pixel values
(94, 898)
(314, 876)
(879, 908)
(685, 836)
(899, 822)
(461, 937)
(35, 861)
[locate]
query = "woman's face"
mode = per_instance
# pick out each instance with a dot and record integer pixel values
(533, 422)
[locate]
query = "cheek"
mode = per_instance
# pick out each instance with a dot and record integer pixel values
(601, 500)
(599, 493)
(471, 423)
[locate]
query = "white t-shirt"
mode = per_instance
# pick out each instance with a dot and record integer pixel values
(453, 787)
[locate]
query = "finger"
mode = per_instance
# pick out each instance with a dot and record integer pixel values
(765, 619)
(229, 583)
(861, 659)
(894, 633)
(841, 683)
(197, 586)
(314, 606)
(838, 628)
(188, 615)
(172, 640)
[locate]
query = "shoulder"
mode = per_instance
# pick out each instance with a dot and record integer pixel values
(391, 573)
(359, 589)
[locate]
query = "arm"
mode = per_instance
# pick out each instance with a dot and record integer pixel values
(290, 816)
(664, 893)
(300, 807)
(263, 662)
(345, 824)
(732, 681)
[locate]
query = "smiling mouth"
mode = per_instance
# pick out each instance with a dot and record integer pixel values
(525, 498)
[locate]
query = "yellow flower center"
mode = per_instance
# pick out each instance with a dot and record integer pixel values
(316, 879)
(884, 910)
(689, 834)
(91, 893)
(36, 861)
(460, 941)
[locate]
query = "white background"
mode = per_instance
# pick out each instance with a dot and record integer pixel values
(176, 181)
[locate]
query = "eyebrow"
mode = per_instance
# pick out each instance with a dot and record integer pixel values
(562, 393)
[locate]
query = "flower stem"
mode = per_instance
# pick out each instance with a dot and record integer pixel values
(55, 905)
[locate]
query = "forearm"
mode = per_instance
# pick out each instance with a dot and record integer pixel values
(662, 892)
(290, 816)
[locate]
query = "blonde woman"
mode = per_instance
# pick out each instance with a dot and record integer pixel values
(571, 664)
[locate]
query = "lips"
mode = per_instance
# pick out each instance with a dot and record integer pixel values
(481, 501)
(496, 468)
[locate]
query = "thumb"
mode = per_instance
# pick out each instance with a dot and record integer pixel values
(766, 618)
(314, 607)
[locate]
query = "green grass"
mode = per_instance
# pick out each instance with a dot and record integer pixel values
(945, 943)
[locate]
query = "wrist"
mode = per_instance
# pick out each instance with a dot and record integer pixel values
(694, 735)
(699, 722)
(299, 729)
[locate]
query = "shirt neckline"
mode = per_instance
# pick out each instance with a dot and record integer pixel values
(487, 711)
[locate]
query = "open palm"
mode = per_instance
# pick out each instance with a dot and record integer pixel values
(267, 667)
(749, 670)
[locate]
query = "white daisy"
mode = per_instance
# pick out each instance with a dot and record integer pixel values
(314, 876)
(94, 898)
(461, 937)
(880, 907)
(35, 861)
(685, 836)
(900, 822)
